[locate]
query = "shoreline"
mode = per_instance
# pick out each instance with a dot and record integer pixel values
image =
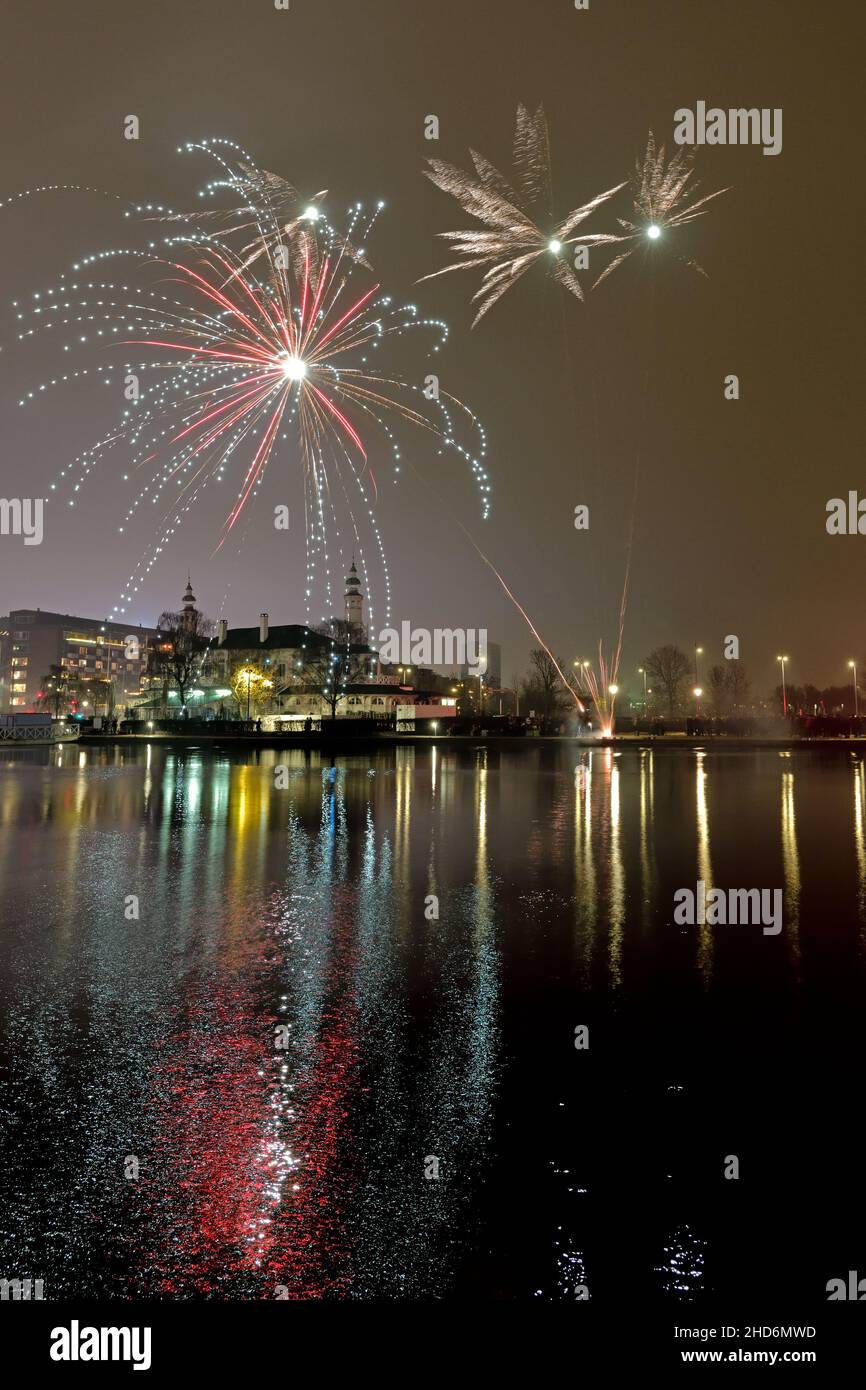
(352, 742)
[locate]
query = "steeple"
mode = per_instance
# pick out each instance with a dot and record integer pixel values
(354, 598)
(189, 602)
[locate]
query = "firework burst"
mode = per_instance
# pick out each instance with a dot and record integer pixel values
(261, 350)
(519, 226)
(664, 200)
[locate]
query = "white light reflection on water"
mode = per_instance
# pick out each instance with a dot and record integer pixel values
(705, 866)
(682, 1264)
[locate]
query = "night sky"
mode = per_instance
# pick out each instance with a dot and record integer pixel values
(730, 526)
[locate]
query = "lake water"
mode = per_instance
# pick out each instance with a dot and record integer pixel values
(247, 1090)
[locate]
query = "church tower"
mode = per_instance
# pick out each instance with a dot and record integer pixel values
(187, 617)
(354, 600)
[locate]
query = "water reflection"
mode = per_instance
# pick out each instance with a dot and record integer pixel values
(616, 899)
(860, 839)
(791, 864)
(705, 867)
(584, 862)
(647, 855)
(319, 1070)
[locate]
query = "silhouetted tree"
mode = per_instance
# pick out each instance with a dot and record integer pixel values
(543, 688)
(184, 640)
(668, 667)
(728, 687)
(329, 670)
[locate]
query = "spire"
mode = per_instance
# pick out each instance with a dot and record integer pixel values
(354, 598)
(188, 614)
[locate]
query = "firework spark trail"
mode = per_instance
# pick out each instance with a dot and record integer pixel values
(522, 611)
(663, 200)
(514, 240)
(242, 354)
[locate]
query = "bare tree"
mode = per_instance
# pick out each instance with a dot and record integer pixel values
(728, 687)
(668, 667)
(739, 685)
(58, 690)
(184, 638)
(543, 688)
(719, 689)
(329, 670)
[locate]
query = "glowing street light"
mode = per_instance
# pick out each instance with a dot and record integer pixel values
(699, 651)
(853, 665)
(783, 659)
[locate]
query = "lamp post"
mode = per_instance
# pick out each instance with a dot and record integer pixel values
(699, 651)
(697, 692)
(853, 665)
(783, 659)
(642, 671)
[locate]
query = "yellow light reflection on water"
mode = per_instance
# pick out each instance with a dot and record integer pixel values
(860, 838)
(791, 863)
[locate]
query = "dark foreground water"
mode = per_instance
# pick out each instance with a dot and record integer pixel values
(249, 1088)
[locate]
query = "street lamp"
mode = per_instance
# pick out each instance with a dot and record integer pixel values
(853, 665)
(697, 692)
(642, 672)
(783, 659)
(699, 651)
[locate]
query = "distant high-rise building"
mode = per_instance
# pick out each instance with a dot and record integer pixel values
(33, 643)
(492, 676)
